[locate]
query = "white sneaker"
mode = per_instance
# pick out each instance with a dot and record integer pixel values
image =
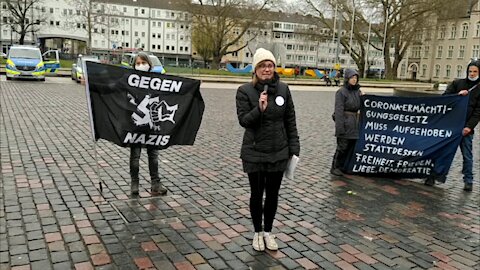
(270, 242)
(258, 243)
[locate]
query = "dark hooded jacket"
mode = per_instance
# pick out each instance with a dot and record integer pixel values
(473, 111)
(270, 137)
(347, 106)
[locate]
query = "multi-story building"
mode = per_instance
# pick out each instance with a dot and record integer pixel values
(443, 52)
(164, 28)
(160, 27)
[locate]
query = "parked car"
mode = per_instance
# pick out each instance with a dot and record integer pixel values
(128, 58)
(27, 62)
(77, 67)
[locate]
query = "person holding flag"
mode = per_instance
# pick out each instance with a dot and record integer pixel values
(143, 63)
(469, 86)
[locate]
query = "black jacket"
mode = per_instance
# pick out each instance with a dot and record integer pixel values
(270, 136)
(473, 111)
(347, 105)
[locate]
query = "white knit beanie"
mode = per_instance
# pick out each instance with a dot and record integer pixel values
(261, 55)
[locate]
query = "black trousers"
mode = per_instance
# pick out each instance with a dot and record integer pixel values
(152, 163)
(270, 183)
(345, 148)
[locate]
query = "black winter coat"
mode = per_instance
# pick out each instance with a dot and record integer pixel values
(271, 136)
(473, 111)
(347, 104)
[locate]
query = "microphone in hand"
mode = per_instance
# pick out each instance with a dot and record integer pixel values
(263, 99)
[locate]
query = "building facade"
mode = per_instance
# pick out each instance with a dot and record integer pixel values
(442, 53)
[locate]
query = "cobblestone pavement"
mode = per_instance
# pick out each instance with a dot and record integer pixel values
(53, 215)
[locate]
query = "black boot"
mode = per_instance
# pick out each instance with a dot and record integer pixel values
(134, 186)
(430, 181)
(157, 188)
(468, 187)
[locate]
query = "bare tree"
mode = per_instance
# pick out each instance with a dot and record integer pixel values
(24, 17)
(92, 16)
(218, 27)
(399, 20)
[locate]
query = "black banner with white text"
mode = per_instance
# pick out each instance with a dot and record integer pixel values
(130, 107)
(408, 137)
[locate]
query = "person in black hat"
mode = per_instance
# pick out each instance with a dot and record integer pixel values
(469, 86)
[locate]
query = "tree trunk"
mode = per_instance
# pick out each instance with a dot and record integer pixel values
(386, 58)
(216, 62)
(21, 41)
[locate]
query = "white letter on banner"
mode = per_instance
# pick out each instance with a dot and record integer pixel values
(133, 80)
(155, 84)
(166, 85)
(176, 85)
(144, 82)
(130, 138)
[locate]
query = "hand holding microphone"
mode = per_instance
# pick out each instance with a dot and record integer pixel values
(262, 102)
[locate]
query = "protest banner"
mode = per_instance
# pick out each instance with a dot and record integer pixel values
(130, 107)
(408, 137)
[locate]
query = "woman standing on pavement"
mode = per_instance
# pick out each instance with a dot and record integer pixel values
(143, 63)
(347, 106)
(265, 109)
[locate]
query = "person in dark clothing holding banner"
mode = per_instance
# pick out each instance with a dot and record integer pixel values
(347, 106)
(265, 109)
(469, 86)
(143, 63)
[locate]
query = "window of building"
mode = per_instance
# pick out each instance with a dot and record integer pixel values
(439, 51)
(136, 33)
(168, 36)
(437, 71)
(124, 9)
(460, 71)
(143, 11)
(153, 46)
(476, 51)
(461, 52)
(235, 54)
(154, 24)
(181, 48)
(464, 30)
(51, 10)
(289, 57)
(153, 35)
(426, 51)
(450, 52)
(289, 47)
(173, 48)
(168, 47)
(186, 49)
(143, 34)
(159, 24)
(477, 29)
(424, 70)
(448, 69)
(453, 31)
(441, 33)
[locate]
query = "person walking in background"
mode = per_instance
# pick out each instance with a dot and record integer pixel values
(143, 63)
(469, 86)
(337, 77)
(265, 109)
(347, 106)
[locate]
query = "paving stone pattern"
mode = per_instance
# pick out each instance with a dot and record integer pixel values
(53, 215)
